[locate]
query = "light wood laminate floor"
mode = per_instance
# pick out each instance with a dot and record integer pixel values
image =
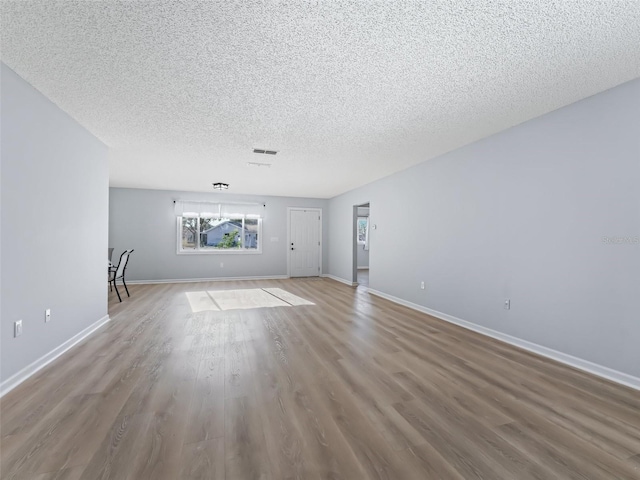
(353, 387)
(363, 277)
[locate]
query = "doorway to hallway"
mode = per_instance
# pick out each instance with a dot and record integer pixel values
(361, 244)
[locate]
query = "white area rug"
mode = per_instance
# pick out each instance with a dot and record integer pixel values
(290, 298)
(201, 301)
(216, 300)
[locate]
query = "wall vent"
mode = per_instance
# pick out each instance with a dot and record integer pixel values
(258, 164)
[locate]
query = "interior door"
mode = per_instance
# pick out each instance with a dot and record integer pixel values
(304, 243)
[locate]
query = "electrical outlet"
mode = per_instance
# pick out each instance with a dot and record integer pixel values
(47, 315)
(507, 304)
(422, 285)
(17, 328)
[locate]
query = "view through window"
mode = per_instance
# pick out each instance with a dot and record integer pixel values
(210, 234)
(363, 230)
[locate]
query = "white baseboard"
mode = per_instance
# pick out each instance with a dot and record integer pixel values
(19, 377)
(340, 279)
(579, 363)
(195, 280)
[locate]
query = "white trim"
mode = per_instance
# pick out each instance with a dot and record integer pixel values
(16, 379)
(196, 280)
(221, 252)
(321, 245)
(579, 363)
(363, 268)
(339, 279)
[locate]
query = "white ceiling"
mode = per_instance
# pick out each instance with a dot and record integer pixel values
(346, 91)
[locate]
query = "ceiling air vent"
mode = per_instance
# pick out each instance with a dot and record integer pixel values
(267, 152)
(258, 164)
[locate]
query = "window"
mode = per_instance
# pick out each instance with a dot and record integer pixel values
(200, 230)
(363, 230)
(238, 233)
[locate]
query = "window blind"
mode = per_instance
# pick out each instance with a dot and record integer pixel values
(184, 208)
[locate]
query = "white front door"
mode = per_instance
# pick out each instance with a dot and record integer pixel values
(304, 242)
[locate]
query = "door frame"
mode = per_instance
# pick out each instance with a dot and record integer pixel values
(354, 241)
(314, 209)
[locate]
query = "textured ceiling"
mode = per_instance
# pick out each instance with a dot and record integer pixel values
(346, 91)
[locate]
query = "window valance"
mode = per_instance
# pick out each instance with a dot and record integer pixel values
(184, 208)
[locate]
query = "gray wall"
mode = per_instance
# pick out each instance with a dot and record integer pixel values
(520, 215)
(144, 220)
(54, 225)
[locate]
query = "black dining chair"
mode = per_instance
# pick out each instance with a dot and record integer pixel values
(118, 272)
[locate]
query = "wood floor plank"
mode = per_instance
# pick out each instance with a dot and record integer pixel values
(238, 374)
(205, 420)
(276, 397)
(349, 387)
(540, 396)
(76, 445)
(538, 447)
(598, 463)
(437, 408)
(402, 367)
(375, 455)
(203, 460)
(245, 443)
(33, 454)
(73, 473)
(428, 460)
(326, 451)
(116, 456)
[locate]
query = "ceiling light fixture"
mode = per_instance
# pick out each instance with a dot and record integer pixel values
(258, 164)
(220, 186)
(267, 152)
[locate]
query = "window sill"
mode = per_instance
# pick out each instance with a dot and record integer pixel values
(219, 252)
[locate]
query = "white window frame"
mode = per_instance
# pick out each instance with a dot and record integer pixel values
(212, 251)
